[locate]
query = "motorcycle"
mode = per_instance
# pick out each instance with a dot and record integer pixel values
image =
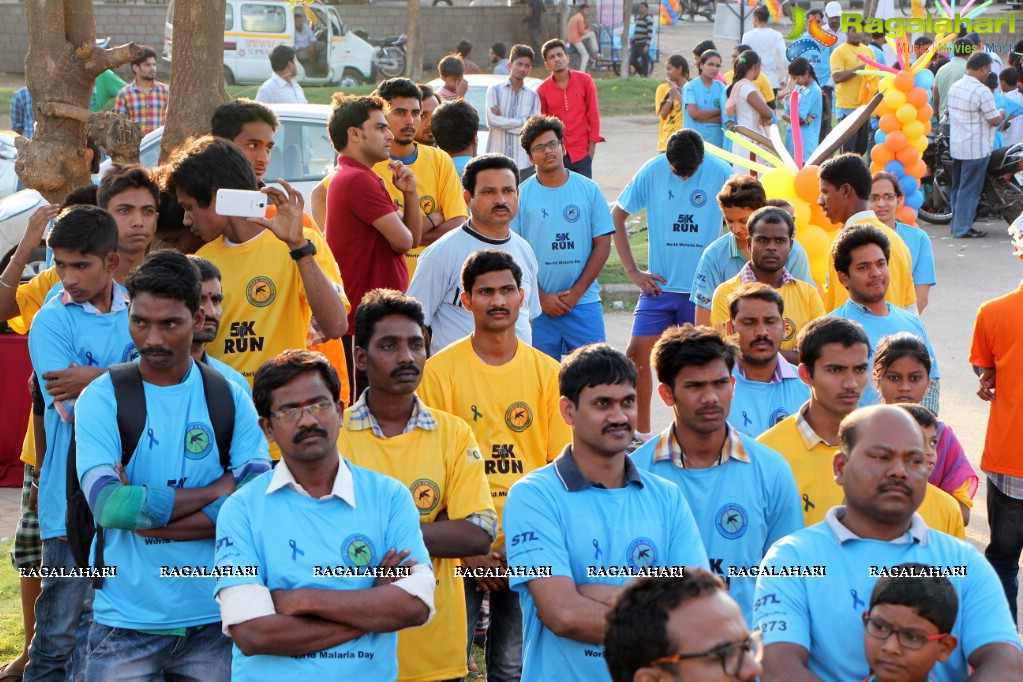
(694, 8)
(389, 55)
(1001, 195)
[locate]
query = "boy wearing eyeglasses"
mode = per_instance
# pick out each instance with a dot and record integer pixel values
(564, 217)
(920, 613)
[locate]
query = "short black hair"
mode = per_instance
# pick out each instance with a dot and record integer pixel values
(85, 195)
(848, 169)
(933, 598)
(393, 88)
(550, 45)
(755, 290)
(281, 369)
(378, 304)
(637, 622)
(487, 260)
(229, 118)
(536, 126)
(428, 92)
(853, 237)
(499, 49)
(452, 65)
(121, 178)
(978, 60)
(454, 125)
(281, 56)
(518, 51)
(923, 416)
(1009, 76)
(167, 274)
(463, 48)
(206, 164)
(349, 112)
(147, 52)
(486, 162)
(702, 47)
(684, 151)
(593, 365)
(825, 330)
(897, 346)
(963, 47)
(762, 14)
(207, 270)
(771, 215)
(89, 230)
(686, 346)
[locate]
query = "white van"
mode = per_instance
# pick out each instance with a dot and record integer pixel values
(252, 28)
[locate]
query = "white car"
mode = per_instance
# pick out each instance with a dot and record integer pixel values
(476, 95)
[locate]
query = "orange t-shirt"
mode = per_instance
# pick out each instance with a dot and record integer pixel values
(998, 343)
(576, 29)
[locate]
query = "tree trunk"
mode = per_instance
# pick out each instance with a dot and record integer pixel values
(869, 9)
(197, 76)
(626, 20)
(60, 68)
(563, 12)
(414, 48)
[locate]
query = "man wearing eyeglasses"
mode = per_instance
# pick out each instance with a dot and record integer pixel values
(322, 561)
(564, 217)
(809, 623)
(702, 635)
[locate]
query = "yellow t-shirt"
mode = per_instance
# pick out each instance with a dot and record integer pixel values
(440, 188)
(668, 125)
(512, 409)
(844, 58)
(30, 298)
(900, 273)
(940, 511)
(28, 445)
(802, 304)
(443, 470)
(763, 85)
(962, 494)
(815, 478)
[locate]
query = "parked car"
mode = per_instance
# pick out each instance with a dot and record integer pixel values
(476, 95)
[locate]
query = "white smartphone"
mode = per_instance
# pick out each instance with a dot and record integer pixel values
(241, 203)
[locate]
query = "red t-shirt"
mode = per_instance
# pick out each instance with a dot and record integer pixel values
(577, 108)
(355, 198)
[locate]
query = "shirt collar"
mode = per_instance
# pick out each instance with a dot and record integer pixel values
(865, 310)
(806, 432)
(360, 417)
(118, 301)
(917, 533)
(573, 479)
(343, 488)
(668, 448)
(280, 82)
(746, 275)
(733, 247)
(782, 371)
(862, 217)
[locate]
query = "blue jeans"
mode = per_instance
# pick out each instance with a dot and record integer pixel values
(582, 325)
(967, 183)
(203, 654)
(504, 638)
(63, 615)
(1005, 516)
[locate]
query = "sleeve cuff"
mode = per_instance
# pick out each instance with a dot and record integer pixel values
(242, 603)
(212, 510)
(420, 585)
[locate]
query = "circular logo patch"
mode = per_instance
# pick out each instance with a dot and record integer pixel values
(698, 198)
(198, 441)
(731, 521)
(130, 354)
(260, 291)
(790, 329)
(358, 550)
(518, 417)
(778, 415)
(571, 213)
(425, 494)
(642, 553)
(427, 204)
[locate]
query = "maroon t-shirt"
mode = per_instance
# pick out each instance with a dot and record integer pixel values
(355, 198)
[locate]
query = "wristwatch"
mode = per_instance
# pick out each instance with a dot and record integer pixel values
(308, 250)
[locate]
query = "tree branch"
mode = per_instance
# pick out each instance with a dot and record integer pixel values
(111, 58)
(64, 111)
(118, 135)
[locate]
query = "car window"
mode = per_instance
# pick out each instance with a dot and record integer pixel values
(149, 154)
(264, 18)
(321, 19)
(335, 24)
(229, 18)
(477, 97)
(302, 152)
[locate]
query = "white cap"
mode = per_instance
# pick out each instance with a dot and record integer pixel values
(832, 9)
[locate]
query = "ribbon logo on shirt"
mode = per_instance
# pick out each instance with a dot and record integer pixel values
(152, 438)
(476, 414)
(598, 552)
(807, 504)
(746, 421)
(857, 602)
(295, 551)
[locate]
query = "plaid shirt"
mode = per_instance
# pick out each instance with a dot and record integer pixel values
(747, 276)
(668, 448)
(806, 432)
(149, 111)
(21, 112)
(970, 106)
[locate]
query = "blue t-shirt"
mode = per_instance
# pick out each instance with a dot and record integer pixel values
(683, 216)
(1011, 108)
(741, 508)
(230, 373)
(723, 260)
(823, 614)
(62, 335)
(460, 163)
(920, 250)
(704, 97)
(897, 320)
(178, 448)
(811, 102)
(815, 53)
(286, 534)
(580, 534)
(560, 223)
(759, 405)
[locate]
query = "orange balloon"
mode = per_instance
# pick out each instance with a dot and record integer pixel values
(882, 109)
(913, 128)
(924, 113)
(889, 123)
(908, 156)
(882, 154)
(875, 167)
(904, 81)
(807, 186)
(927, 127)
(896, 141)
(817, 215)
(906, 215)
(918, 98)
(917, 170)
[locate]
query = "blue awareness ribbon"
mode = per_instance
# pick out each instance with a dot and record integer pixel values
(598, 552)
(91, 361)
(295, 551)
(857, 602)
(152, 438)
(746, 421)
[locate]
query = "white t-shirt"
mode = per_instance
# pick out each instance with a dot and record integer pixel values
(770, 47)
(746, 115)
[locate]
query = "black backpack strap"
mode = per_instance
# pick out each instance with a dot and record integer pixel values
(220, 403)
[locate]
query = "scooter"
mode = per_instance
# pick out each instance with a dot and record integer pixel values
(390, 53)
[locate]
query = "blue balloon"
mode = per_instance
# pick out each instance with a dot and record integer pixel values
(880, 136)
(895, 168)
(924, 79)
(915, 200)
(908, 184)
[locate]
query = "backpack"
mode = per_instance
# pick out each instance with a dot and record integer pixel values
(131, 422)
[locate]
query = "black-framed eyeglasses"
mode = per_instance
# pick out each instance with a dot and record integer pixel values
(540, 148)
(732, 655)
(908, 639)
(292, 414)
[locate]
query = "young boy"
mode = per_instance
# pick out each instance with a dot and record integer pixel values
(452, 72)
(920, 612)
(937, 503)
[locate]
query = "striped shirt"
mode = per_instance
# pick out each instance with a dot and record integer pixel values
(515, 106)
(277, 90)
(21, 112)
(644, 30)
(970, 106)
(149, 110)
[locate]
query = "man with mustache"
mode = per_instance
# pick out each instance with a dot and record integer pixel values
(881, 471)
(211, 301)
(767, 386)
(432, 453)
(159, 512)
(742, 493)
(835, 364)
(508, 393)
(491, 189)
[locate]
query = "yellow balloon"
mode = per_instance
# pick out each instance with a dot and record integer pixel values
(819, 269)
(778, 184)
(912, 128)
(816, 242)
(885, 84)
(920, 143)
(906, 114)
(894, 98)
(802, 210)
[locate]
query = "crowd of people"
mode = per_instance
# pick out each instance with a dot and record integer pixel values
(357, 439)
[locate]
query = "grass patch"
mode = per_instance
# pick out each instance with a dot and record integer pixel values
(614, 271)
(12, 630)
